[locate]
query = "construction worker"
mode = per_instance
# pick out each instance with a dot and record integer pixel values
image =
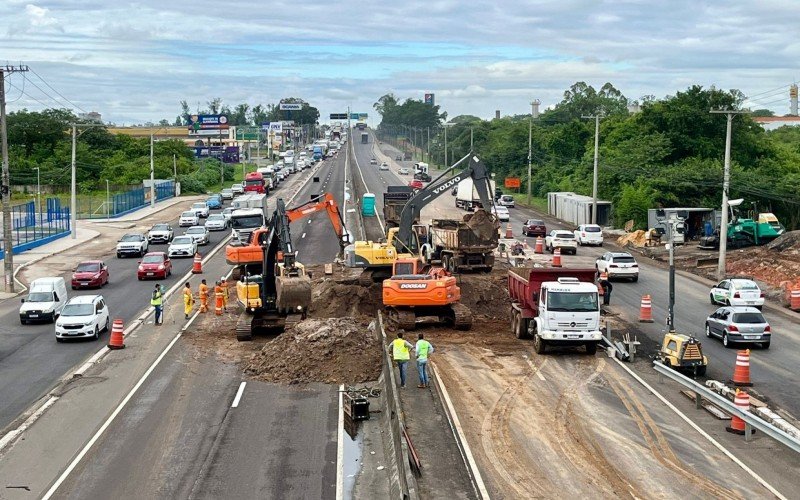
(224, 286)
(188, 300)
(607, 288)
(218, 300)
(423, 348)
(203, 294)
(399, 349)
(157, 301)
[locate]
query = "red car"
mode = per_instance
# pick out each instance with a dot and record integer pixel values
(154, 265)
(415, 184)
(534, 227)
(90, 274)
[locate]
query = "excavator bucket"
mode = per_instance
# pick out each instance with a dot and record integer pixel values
(294, 293)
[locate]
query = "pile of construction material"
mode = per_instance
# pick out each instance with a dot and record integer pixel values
(636, 239)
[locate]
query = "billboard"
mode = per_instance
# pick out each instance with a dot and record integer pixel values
(513, 183)
(358, 116)
(247, 133)
(207, 122)
(275, 127)
(290, 106)
(429, 99)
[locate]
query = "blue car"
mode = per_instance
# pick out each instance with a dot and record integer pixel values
(214, 202)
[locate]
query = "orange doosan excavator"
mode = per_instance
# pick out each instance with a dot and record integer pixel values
(251, 254)
(415, 291)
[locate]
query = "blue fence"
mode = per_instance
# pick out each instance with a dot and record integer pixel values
(30, 229)
(124, 203)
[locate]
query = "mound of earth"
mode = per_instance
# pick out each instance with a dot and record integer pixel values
(486, 294)
(335, 297)
(332, 350)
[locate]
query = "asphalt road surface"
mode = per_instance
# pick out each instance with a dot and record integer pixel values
(182, 437)
(31, 362)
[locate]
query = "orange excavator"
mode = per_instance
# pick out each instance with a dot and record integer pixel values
(251, 254)
(417, 291)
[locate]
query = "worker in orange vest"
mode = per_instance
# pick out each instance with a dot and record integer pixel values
(218, 298)
(203, 293)
(224, 285)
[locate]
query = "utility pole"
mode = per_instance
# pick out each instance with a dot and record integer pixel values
(596, 155)
(8, 240)
(175, 167)
(152, 176)
(445, 145)
(534, 114)
(726, 181)
(470, 139)
(73, 197)
(428, 144)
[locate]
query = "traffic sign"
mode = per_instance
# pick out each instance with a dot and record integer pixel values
(247, 133)
(358, 116)
(338, 116)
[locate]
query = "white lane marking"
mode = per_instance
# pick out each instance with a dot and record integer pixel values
(703, 433)
(304, 235)
(541, 377)
(27, 423)
(238, 397)
(340, 447)
(64, 475)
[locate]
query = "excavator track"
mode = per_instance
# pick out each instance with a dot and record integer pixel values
(365, 278)
(462, 317)
(403, 318)
(244, 328)
(291, 321)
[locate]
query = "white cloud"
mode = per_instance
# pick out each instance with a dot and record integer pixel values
(40, 16)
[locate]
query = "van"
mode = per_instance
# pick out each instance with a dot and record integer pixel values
(46, 298)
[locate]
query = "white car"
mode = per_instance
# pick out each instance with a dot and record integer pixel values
(403, 171)
(281, 175)
(200, 208)
(737, 292)
(198, 233)
(217, 222)
(301, 164)
(618, 265)
(226, 194)
(589, 234)
(373, 161)
(132, 244)
(506, 201)
(83, 316)
(160, 233)
(237, 188)
(501, 213)
(559, 238)
(383, 166)
(227, 214)
(189, 219)
(182, 246)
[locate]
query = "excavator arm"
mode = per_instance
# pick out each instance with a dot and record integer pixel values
(328, 203)
(475, 169)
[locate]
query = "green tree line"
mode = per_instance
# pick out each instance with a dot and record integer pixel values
(667, 153)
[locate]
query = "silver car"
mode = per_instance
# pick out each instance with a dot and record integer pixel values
(226, 193)
(198, 233)
(182, 246)
(216, 222)
(735, 324)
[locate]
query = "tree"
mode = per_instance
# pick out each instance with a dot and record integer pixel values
(633, 203)
(307, 115)
(258, 115)
(761, 113)
(214, 105)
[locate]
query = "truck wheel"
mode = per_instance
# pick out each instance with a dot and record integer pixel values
(538, 344)
(591, 348)
(700, 371)
(446, 262)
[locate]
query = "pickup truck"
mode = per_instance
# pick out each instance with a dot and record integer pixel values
(559, 238)
(555, 306)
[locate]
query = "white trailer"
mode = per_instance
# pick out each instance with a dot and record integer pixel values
(467, 196)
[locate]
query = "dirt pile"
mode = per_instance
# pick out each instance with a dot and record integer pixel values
(332, 350)
(343, 296)
(636, 238)
(486, 295)
(776, 265)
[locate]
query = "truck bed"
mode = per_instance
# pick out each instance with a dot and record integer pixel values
(524, 282)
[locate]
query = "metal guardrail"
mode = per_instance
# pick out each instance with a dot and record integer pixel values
(751, 421)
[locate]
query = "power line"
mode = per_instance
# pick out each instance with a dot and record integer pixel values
(56, 91)
(782, 88)
(29, 95)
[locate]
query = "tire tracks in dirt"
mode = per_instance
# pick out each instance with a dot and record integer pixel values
(658, 444)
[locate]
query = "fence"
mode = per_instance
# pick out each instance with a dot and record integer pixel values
(102, 206)
(31, 228)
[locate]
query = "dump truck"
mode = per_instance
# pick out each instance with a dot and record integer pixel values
(394, 199)
(555, 306)
(463, 245)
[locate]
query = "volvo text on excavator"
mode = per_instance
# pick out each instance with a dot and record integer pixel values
(280, 296)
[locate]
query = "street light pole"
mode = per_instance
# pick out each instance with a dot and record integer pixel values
(108, 201)
(445, 145)
(726, 181)
(73, 198)
(596, 155)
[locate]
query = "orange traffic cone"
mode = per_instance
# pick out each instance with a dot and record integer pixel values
(116, 341)
(646, 310)
(742, 401)
(741, 372)
(197, 268)
(509, 231)
(539, 248)
(557, 257)
(794, 299)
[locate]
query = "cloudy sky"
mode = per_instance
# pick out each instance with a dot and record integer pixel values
(134, 62)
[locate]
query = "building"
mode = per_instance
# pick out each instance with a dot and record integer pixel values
(773, 122)
(91, 116)
(577, 209)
